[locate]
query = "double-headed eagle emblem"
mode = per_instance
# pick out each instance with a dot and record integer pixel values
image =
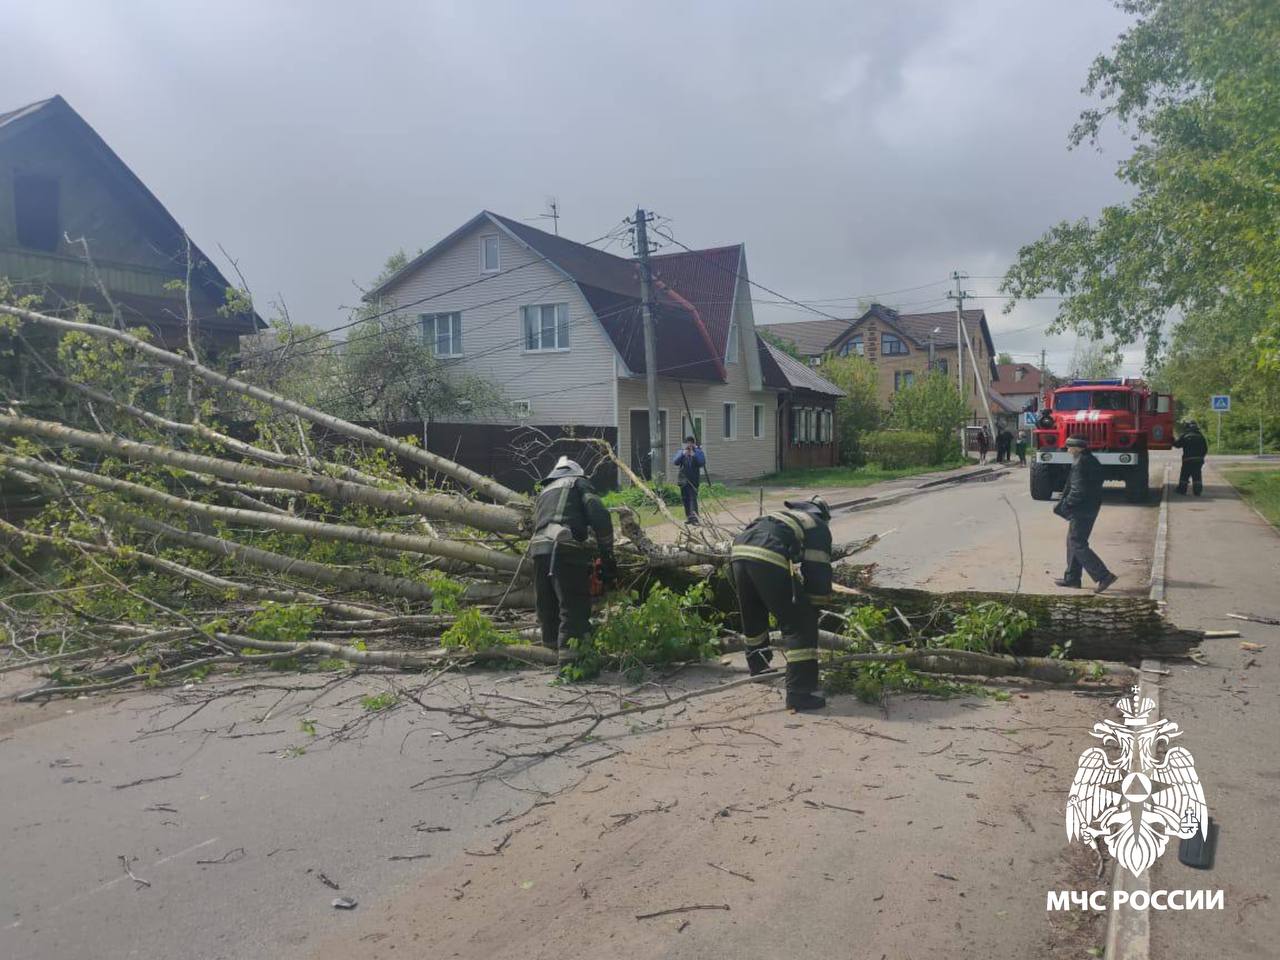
(1136, 801)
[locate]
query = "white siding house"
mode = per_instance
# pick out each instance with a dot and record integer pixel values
(556, 326)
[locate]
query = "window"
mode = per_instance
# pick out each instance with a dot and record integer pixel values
(827, 426)
(731, 352)
(730, 421)
(940, 366)
(442, 332)
(853, 346)
(892, 346)
(35, 208)
(757, 420)
(903, 378)
(694, 431)
(489, 254)
(1019, 375)
(546, 327)
(795, 426)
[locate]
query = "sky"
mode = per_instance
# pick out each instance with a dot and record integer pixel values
(861, 150)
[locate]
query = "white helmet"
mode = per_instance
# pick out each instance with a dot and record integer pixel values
(565, 468)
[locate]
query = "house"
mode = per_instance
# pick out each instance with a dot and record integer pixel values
(904, 347)
(60, 184)
(806, 411)
(556, 326)
(1020, 383)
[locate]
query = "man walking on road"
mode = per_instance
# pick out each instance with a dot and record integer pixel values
(1194, 449)
(1081, 501)
(762, 563)
(691, 460)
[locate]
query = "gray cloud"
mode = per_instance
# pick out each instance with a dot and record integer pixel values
(855, 148)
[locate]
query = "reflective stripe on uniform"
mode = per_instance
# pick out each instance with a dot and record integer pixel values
(790, 520)
(805, 520)
(744, 551)
(801, 655)
(817, 556)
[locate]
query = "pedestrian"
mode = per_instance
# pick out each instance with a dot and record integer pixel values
(1004, 445)
(1194, 449)
(762, 564)
(567, 511)
(984, 444)
(1021, 447)
(1081, 501)
(691, 460)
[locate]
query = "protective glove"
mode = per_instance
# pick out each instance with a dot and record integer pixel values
(608, 570)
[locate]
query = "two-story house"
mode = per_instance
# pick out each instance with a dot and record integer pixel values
(904, 347)
(74, 219)
(556, 325)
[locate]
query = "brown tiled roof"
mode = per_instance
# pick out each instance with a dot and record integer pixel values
(810, 337)
(1031, 382)
(784, 372)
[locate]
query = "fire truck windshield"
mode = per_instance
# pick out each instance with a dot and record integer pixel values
(1091, 400)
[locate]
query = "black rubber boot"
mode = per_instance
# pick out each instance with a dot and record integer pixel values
(805, 701)
(758, 660)
(1062, 582)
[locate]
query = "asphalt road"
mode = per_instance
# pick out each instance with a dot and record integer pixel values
(956, 832)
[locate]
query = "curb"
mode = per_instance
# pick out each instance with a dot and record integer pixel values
(1129, 931)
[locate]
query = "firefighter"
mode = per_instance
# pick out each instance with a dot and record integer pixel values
(1194, 449)
(763, 559)
(1079, 506)
(566, 512)
(1046, 419)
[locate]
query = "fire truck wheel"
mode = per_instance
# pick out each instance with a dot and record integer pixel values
(1041, 481)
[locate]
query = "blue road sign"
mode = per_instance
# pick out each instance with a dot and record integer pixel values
(1028, 419)
(1221, 403)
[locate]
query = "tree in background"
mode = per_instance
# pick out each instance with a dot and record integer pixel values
(858, 411)
(1095, 360)
(1004, 359)
(782, 343)
(930, 405)
(1192, 262)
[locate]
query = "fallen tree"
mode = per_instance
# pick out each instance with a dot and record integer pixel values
(167, 548)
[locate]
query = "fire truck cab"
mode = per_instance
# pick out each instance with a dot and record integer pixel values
(1123, 419)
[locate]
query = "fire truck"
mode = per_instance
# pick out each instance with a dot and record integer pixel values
(1123, 419)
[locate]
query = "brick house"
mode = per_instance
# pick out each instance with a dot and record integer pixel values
(903, 346)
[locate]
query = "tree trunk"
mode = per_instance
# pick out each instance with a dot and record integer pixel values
(477, 481)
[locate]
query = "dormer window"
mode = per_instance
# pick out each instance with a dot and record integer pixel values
(853, 346)
(489, 254)
(892, 346)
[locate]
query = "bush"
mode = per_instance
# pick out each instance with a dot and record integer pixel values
(858, 411)
(934, 406)
(635, 498)
(901, 448)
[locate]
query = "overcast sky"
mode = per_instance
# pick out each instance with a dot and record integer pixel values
(857, 148)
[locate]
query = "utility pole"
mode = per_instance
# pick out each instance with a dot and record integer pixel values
(641, 224)
(958, 297)
(962, 341)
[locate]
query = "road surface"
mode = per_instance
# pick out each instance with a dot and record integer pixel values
(924, 827)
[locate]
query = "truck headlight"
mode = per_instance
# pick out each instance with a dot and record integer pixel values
(1046, 457)
(1126, 457)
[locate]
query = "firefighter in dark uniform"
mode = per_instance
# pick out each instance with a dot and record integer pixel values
(1194, 449)
(1081, 501)
(764, 558)
(567, 511)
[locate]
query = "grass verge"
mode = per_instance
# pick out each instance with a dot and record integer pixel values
(1260, 489)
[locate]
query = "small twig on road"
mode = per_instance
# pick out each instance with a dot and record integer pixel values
(409, 856)
(622, 819)
(1255, 618)
(732, 873)
(934, 753)
(689, 908)
(125, 862)
(138, 783)
(947, 876)
(327, 882)
(497, 849)
(823, 805)
(231, 856)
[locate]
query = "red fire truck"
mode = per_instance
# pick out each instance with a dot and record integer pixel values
(1123, 419)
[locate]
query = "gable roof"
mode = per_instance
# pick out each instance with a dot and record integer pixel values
(784, 372)
(164, 231)
(811, 337)
(685, 285)
(1031, 382)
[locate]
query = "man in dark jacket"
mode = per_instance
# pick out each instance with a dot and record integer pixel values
(763, 559)
(567, 511)
(1194, 449)
(1079, 506)
(690, 460)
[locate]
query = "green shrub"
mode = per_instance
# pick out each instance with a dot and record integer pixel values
(635, 498)
(901, 448)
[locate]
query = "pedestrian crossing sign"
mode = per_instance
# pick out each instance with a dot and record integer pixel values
(1221, 403)
(1028, 419)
